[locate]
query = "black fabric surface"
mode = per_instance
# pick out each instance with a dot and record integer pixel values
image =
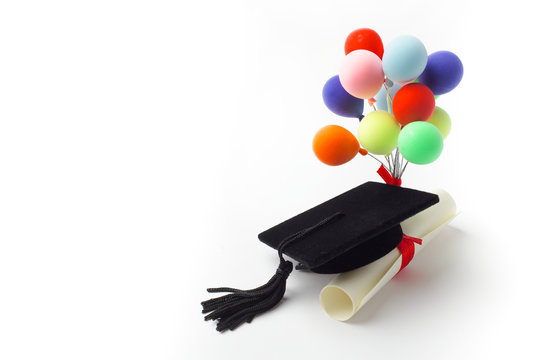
(367, 229)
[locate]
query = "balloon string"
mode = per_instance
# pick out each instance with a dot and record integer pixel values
(379, 161)
(396, 163)
(394, 160)
(388, 99)
(389, 164)
(403, 170)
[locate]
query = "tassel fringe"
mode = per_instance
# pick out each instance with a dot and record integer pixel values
(242, 306)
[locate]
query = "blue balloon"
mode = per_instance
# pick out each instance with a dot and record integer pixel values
(443, 72)
(404, 59)
(339, 101)
(381, 103)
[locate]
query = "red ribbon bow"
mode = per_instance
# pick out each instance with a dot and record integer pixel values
(406, 247)
(387, 177)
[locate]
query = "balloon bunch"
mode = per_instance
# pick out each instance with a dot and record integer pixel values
(400, 83)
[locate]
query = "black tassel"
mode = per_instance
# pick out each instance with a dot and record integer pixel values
(240, 306)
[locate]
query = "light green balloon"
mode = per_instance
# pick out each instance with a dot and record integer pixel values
(441, 120)
(378, 132)
(420, 142)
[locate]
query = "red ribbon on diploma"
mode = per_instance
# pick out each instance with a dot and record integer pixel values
(387, 177)
(406, 247)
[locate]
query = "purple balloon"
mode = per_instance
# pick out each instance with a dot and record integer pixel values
(339, 101)
(443, 72)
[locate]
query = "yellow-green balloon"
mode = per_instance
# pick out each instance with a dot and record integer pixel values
(420, 142)
(378, 132)
(441, 120)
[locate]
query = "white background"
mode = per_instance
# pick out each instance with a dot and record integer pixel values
(145, 144)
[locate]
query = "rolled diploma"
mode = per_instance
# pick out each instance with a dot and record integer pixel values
(349, 291)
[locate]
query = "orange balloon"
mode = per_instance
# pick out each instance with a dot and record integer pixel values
(335, 145)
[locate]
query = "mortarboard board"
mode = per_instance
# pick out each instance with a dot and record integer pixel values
(364, 227)
(349, 231)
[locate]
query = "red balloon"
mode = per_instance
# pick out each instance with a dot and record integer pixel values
(413, 102)
(365, 39)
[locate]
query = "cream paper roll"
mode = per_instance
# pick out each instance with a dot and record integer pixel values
(349, 291)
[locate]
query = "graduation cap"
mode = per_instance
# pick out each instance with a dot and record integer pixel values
(344, 233)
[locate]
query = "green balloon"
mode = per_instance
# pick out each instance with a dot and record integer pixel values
(441, 120)
(378, 132)
(420, 142)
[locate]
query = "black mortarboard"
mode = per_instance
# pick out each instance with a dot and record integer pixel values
(365, 227)
(341, 234)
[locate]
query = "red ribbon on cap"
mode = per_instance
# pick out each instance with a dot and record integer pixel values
(406, 247)
(387, 177)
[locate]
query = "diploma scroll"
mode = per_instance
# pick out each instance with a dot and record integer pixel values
(348, 292)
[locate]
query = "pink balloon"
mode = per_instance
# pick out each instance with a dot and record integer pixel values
(361, 74)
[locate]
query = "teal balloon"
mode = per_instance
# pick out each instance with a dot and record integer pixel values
(404, 59)
(420, 142)
(381, 103)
